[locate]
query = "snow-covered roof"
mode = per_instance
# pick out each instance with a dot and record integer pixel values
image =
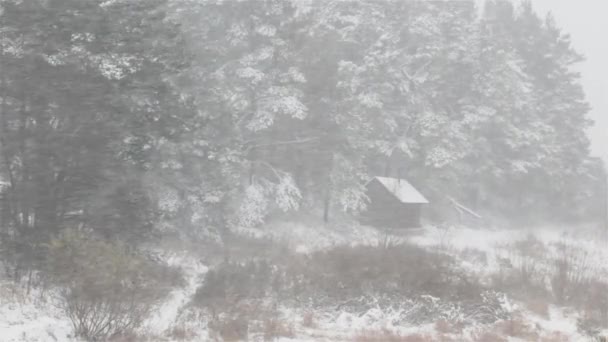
(403, 190)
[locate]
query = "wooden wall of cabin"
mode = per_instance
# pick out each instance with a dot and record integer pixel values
(386, 211)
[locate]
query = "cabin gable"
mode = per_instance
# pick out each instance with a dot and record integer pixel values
(386, 207)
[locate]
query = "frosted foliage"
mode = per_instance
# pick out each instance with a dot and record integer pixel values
(277, 100)
(213, 197)
(11, 47)
(252, 75)
(287, 195)
(347, 66)
(260, 55)
(289, 105)
(405, 146)
(522, 166)
(267, 30)
(254, 206)
(425, 25)
(352, 199)
(439, 157)
(384, 147)
(116, 67)
(349, 191)
(370, 100)
(296, 75)
(236, 34)
(285, 101)
(430, 123)
(168, 200)
(261, 120)
(261, 196)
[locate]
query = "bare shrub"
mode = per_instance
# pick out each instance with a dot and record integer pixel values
(474, 256)
(528, 271)
(538, 306)
(233, 285)
(492, 307)
(489, 336)
(340, 273)
(527, 254)
(274, 327)
(181, 333)
(448, 327)
(229, 328)
(404, 269)
(521, 273)
(108, 290)
(590, 325)
(555, 336)
(345, 279)
(236, 295)
(517, 327)
(572, 271)
(386, 335)
(243, 248)
(308, 320)
(127, 337)
(593, 300)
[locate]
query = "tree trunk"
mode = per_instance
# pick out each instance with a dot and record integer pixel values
(326, 205)
(387, 167)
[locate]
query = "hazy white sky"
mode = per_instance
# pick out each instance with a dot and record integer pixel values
(585, 21)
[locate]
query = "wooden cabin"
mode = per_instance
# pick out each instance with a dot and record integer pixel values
(393, 203)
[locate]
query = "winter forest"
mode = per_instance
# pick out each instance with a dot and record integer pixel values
(202, 170)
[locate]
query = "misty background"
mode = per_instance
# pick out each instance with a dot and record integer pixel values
(584, 23)
(303, 170)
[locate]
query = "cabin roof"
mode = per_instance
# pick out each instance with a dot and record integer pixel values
(402, 190)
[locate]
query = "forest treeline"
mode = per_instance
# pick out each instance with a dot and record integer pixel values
(125, 118)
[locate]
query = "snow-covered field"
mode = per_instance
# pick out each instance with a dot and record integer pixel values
(32, 317)
(559, 324)
(37, 317)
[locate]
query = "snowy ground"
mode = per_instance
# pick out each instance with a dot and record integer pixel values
(166, 314)
(27, 317)
(37, 317)
(30, 318)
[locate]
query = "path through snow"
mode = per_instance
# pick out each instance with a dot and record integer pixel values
(166, 314)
